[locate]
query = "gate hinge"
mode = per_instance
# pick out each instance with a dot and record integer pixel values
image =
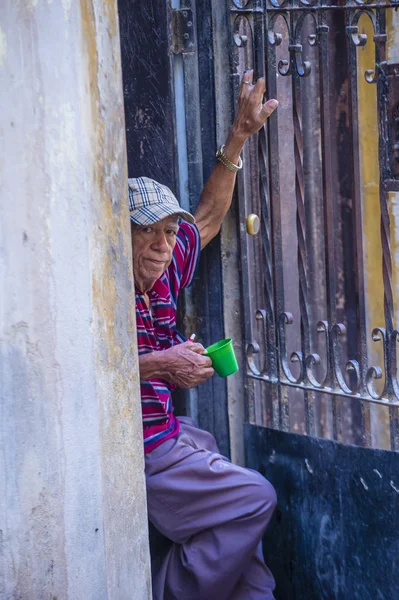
(182, 31)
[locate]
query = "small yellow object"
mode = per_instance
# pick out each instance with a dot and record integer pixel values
(252, 224)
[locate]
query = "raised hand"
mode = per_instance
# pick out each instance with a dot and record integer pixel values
(252, 111)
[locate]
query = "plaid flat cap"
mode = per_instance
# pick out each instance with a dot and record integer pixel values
(150, 201)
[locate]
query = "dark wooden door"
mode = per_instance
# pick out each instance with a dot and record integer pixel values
(170, 131)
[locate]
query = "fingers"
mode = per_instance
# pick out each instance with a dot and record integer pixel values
(268, 108)
(247, 78)
(195, 347)
(260, 87)
(204, 361)
(206, 373)
(253, 94)
(209, 372)
(246, 83)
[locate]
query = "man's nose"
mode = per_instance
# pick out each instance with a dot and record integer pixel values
(160, 243)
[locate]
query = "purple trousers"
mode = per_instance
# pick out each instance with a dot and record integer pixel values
(215, 513)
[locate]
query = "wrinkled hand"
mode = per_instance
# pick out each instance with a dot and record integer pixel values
(252, 112)
(185, 365)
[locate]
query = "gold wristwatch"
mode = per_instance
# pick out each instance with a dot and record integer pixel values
(221, 157)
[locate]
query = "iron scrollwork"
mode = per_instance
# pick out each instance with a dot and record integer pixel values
(295, 63)
(286, 39)
(334, 381)
(361, 39)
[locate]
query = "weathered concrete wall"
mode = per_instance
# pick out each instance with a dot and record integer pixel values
(72, 498)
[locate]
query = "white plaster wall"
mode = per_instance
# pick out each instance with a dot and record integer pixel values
(73, 520)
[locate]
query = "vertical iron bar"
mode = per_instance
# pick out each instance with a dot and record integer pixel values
(382, 98)
(266, 229)
(281, 414)
(358, 239)
(330, 212)
(301, 225)
(242, 189)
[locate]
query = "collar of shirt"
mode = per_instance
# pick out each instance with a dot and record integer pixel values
(160, 290)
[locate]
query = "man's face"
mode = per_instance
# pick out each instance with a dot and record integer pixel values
(152, 250)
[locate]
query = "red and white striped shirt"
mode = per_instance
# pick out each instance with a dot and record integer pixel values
(157, 331)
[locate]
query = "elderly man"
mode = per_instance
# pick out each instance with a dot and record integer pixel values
(213, 511)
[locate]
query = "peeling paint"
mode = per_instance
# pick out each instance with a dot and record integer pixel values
(67, 7)
(393, 486)
(393, 36)
(309, 468)
(364, 484)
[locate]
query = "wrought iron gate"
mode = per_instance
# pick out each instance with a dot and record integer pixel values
(316, 363)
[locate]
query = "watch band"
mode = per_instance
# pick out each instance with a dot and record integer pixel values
(221, 157)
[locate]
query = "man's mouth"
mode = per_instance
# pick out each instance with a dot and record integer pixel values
(156, 262)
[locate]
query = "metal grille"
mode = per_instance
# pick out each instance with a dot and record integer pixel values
(316, 363)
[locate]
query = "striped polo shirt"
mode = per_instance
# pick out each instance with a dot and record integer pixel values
(157, 331)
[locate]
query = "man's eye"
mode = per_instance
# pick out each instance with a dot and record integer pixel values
(147, 229)
(171, 232)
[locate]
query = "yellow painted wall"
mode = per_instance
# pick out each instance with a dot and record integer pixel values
(370, 175)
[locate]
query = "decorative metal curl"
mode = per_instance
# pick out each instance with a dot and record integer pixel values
(308, 2)
(286, 318)
(370, 76)
(253, 348)
(240, 40)
(352, 366)
(277, 4)
(275, 39)
(284, 67)
(303, 67)
(394, 339)
(314, 360)
(312, 39)
(360, 39)
(364, 2)
(390, 371)
(379, 334)
(240, 3)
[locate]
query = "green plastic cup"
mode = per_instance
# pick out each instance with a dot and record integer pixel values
(223, 357)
